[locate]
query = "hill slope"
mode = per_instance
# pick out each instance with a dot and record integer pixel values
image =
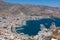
(32, 10)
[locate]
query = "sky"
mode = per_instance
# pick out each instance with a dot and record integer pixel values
(53, 3)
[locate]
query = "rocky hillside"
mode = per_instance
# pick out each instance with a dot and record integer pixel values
(32, 10)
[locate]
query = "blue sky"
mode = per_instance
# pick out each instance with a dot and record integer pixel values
(53, 3)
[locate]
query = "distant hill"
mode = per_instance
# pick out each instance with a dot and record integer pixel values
(31, 10)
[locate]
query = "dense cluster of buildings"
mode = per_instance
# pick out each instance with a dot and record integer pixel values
(45, 34)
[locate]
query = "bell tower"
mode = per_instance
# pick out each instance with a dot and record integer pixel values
(53, 26)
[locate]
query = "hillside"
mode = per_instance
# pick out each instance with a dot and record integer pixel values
(31, 10)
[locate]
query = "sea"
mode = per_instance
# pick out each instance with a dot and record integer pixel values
(32, 27)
